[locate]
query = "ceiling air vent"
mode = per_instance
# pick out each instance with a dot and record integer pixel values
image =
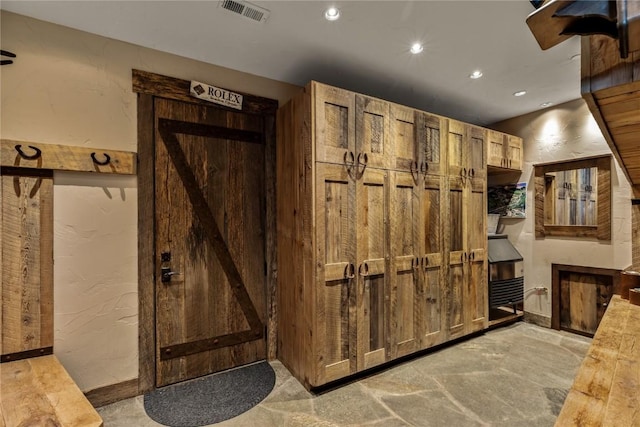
(245, 9)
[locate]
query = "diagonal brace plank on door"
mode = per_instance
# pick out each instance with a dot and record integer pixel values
(168, 130)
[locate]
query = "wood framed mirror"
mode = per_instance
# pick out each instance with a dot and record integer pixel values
(573, 198)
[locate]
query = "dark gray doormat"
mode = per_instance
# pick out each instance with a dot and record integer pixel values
(211, 399)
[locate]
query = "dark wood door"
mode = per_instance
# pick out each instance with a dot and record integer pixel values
(580, 296)
(210, 240)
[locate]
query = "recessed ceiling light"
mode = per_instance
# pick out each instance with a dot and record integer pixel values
(332, 14)
(475, 75)
(520, 93)
(546, 104)
(416, 48)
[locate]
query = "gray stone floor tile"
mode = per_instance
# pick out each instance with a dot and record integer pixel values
(515, 375)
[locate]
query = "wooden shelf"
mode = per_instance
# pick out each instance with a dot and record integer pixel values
(36, 155)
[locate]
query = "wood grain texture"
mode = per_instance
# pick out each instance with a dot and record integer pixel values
(27, 263)
(149, 87)
(635, 237)
(372, 250)
(336, 315)
(211, 315)
(271, 253)
(405, 131)
(605, 282)
(602, 229)
(113, 393)
(611, 88)
(382, 259)
(335, 121)
(373, 137)
(432, 312)
(296, 240)
(65, 157)
(604, 392)
(153, 84)
(406, 264)
(39, 392)
(146, 244)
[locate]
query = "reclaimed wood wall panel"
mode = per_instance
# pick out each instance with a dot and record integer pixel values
(65, 158)
(27, 263)
(146, 245)
(611, 88)
(295, 240)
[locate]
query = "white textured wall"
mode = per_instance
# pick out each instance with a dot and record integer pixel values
(564, 132)
(70, 87)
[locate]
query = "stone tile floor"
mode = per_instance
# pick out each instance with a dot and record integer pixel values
(515, 375)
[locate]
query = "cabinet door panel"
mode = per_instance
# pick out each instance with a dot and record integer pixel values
(336, 296)
(477, 161)
(430, 300)
(335, 124)
(372, 132)
(514, 152)
(476, 292)
(455, 217)
(456, 244)
(432, 133)
(405, 140)
(496, 147)
(372, 247)
(405, 262)
(456, 297)
(456, 143)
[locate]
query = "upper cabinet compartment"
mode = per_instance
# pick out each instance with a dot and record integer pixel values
(372, 133)
(335, 124)
(504, 151)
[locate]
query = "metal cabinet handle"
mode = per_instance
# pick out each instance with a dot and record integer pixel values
(351, 162)
(364, 157)
(363, 269)
(415, 263)
(425, 262)
(424, 167)
(349, 271)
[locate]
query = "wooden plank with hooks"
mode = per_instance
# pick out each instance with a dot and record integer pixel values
(36, 155)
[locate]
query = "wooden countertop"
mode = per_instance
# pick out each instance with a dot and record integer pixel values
(39, 392)
(606, 390)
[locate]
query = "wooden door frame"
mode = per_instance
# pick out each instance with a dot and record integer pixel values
(149, 86)
(558, 269)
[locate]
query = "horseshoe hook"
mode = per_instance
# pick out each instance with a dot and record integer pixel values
(101, 163)
(26, 156)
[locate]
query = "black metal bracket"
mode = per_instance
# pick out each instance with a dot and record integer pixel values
(7, 54)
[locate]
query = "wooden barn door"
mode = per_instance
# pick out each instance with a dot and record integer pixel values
(210, 239)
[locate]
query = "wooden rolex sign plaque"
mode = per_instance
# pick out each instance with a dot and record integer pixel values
(216, 95)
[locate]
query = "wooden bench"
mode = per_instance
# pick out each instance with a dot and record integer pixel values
(606, 390)
(39, 392)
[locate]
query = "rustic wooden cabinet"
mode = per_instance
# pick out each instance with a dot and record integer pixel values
(466, 230)
(375, 201)
(504, 151)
